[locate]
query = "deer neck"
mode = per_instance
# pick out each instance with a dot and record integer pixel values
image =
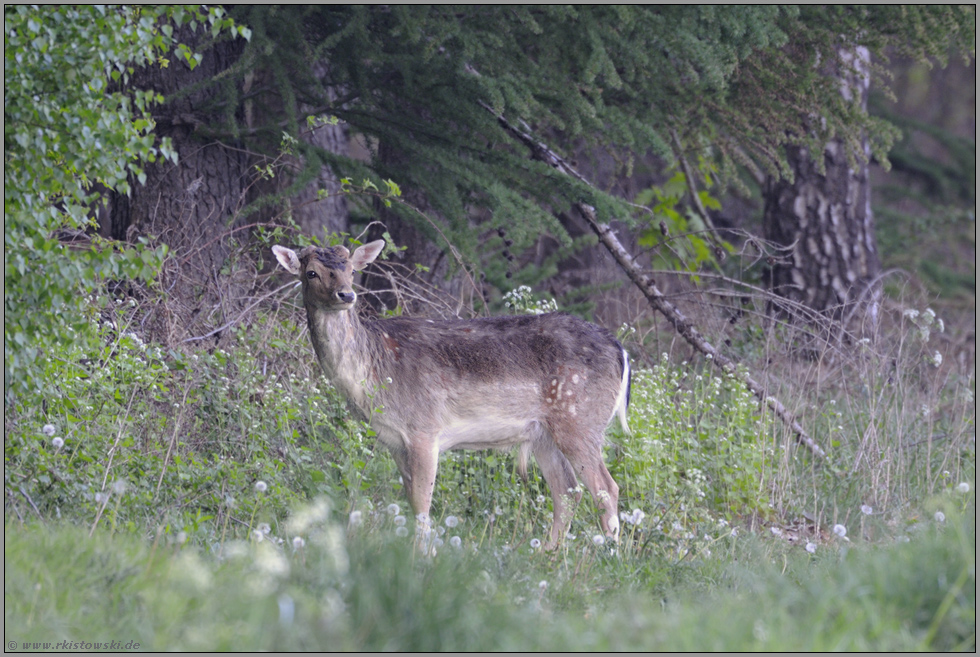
(339, 341)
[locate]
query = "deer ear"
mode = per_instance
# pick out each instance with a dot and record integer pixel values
(288, 259)
(365, 255)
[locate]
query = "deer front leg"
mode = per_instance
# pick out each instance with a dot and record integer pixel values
(417, 463)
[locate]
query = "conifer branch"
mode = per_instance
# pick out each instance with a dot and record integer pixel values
(645, 283)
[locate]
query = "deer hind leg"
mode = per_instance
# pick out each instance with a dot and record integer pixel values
(561, 481)
(585, 456)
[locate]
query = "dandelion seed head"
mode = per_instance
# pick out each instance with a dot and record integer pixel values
(456, 542)
(400, 521)
(48, 430)
(940, 516)
(393, 509)
(451, 521)
(543, 585)
(840, 530)
(298, 543)
(963, 487)
(355, 518)
(811, 547)
(119, 486)
(535, 543)
(58, 442)
(599, 539)
(261, 486)
(401, 531)
(866, 510)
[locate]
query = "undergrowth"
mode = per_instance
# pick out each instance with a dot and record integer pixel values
(236, 478)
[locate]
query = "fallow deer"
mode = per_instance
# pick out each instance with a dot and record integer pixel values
(548, 384)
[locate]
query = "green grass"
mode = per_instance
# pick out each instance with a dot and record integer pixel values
(372, 593)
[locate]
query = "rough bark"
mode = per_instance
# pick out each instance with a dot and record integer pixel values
(825, 223)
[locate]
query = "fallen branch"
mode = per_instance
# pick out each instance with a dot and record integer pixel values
(648, 287)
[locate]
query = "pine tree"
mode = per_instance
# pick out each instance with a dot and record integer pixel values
(423, 86)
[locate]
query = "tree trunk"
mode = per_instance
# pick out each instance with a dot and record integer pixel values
(195, 206)
(823, 221)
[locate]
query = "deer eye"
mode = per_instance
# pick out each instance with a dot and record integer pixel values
(311, 274)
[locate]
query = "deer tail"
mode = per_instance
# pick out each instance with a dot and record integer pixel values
(623, 399)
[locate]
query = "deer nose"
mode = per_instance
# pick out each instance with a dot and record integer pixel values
(346, 297)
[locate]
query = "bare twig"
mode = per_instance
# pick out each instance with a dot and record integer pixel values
(689, 179)
(173, 441)
(242, 314)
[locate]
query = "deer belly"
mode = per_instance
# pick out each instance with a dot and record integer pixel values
(487, 432)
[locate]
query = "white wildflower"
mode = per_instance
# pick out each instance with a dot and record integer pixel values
(393, 509)
(48, 430)
(355, 518)
(57, 442)
(451, 521)
(866, 510)
(840, 530)
(261, 486)
(599, 539)
(911, 313)
(535, 543)
(963, 487)
(298, 543)
(937, 359)
(811, 547)
(940, 516)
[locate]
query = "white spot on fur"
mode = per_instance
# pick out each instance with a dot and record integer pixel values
(571, 409)
(575, 378)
